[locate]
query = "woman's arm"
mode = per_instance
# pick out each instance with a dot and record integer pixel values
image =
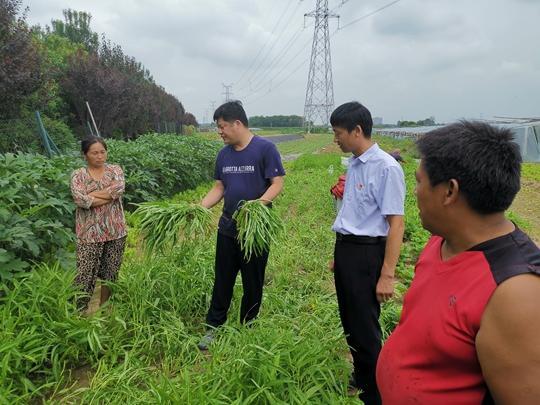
(98, 202)
(103, 194)
(78, 191)
(116, 189)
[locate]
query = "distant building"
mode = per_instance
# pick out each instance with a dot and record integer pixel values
(377, 121)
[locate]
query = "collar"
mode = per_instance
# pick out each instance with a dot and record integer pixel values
(368, 154)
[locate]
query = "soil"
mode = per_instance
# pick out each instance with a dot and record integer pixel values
(527, 206)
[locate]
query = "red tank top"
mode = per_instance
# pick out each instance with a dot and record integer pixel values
(430, 358)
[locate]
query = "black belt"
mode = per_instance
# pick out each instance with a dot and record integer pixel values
(360, 240)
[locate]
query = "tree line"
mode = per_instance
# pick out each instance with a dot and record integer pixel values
(276, 121)
(56, 69)
(421, 123)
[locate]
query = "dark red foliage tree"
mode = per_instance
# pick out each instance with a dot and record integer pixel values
(20, 60)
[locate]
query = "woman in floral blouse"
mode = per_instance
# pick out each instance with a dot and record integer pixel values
(99, 220)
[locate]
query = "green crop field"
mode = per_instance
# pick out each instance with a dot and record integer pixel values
(142, 346)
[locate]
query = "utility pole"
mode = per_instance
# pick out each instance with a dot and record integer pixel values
(227, 92)
(320, 88)
(93, 120)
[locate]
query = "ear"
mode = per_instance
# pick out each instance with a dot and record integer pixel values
(357, 131)
(451, 192)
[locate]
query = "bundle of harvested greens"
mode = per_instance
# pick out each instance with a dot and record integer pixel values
(163, 224)
(258, 226)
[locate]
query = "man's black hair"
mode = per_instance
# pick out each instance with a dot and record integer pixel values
(231, 111)
(351, 114)
(481, 157)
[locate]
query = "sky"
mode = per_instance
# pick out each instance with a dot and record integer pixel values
(414, 59)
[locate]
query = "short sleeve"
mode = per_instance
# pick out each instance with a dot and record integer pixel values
(272, 162)
(391, 195)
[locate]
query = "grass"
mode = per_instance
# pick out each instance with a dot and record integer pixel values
(531, 171)
(279, 131)
(310, 144)
(292, 354)
(142, 347)
(525, 209)
(213, 136)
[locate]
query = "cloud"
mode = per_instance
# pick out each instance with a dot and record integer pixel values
(412, 60)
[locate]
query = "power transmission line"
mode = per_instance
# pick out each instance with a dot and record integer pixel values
(267, 41)
(302, 64)
(279, 57)
(263, 81)
(273, 86)
(285, 67)
(250, 77)
(369, 14)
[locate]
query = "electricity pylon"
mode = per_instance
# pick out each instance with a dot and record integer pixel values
(320, 89)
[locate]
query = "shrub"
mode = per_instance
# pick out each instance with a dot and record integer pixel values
(158, 166)
(36, 208)
(22, 135)
(36, 212)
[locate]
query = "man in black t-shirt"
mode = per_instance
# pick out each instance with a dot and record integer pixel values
(247, 168)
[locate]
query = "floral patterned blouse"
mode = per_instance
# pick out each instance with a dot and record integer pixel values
(103, 223)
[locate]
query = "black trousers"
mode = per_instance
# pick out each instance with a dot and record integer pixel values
(229, 260)
(357, 268)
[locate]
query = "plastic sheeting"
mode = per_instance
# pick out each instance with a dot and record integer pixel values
(526, 135)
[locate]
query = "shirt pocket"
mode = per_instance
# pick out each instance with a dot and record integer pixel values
(360, 193)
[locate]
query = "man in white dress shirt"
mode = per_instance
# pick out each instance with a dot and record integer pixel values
(369, 231)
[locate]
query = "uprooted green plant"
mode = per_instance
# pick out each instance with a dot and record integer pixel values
(164, 224)
(258, 227)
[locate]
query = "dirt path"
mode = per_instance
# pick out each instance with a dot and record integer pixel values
(527, 206)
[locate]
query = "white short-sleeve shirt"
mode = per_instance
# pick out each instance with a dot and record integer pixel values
(374, 188)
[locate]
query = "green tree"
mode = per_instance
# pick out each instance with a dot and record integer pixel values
(20, 60)
(276, 121)
(76, 27)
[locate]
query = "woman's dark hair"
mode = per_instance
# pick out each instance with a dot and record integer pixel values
(89, 141)
(231, 111)
(484, 159)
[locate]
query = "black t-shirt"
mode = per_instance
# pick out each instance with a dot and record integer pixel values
(246, 176)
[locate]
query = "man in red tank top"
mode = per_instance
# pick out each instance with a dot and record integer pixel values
(469, 329)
